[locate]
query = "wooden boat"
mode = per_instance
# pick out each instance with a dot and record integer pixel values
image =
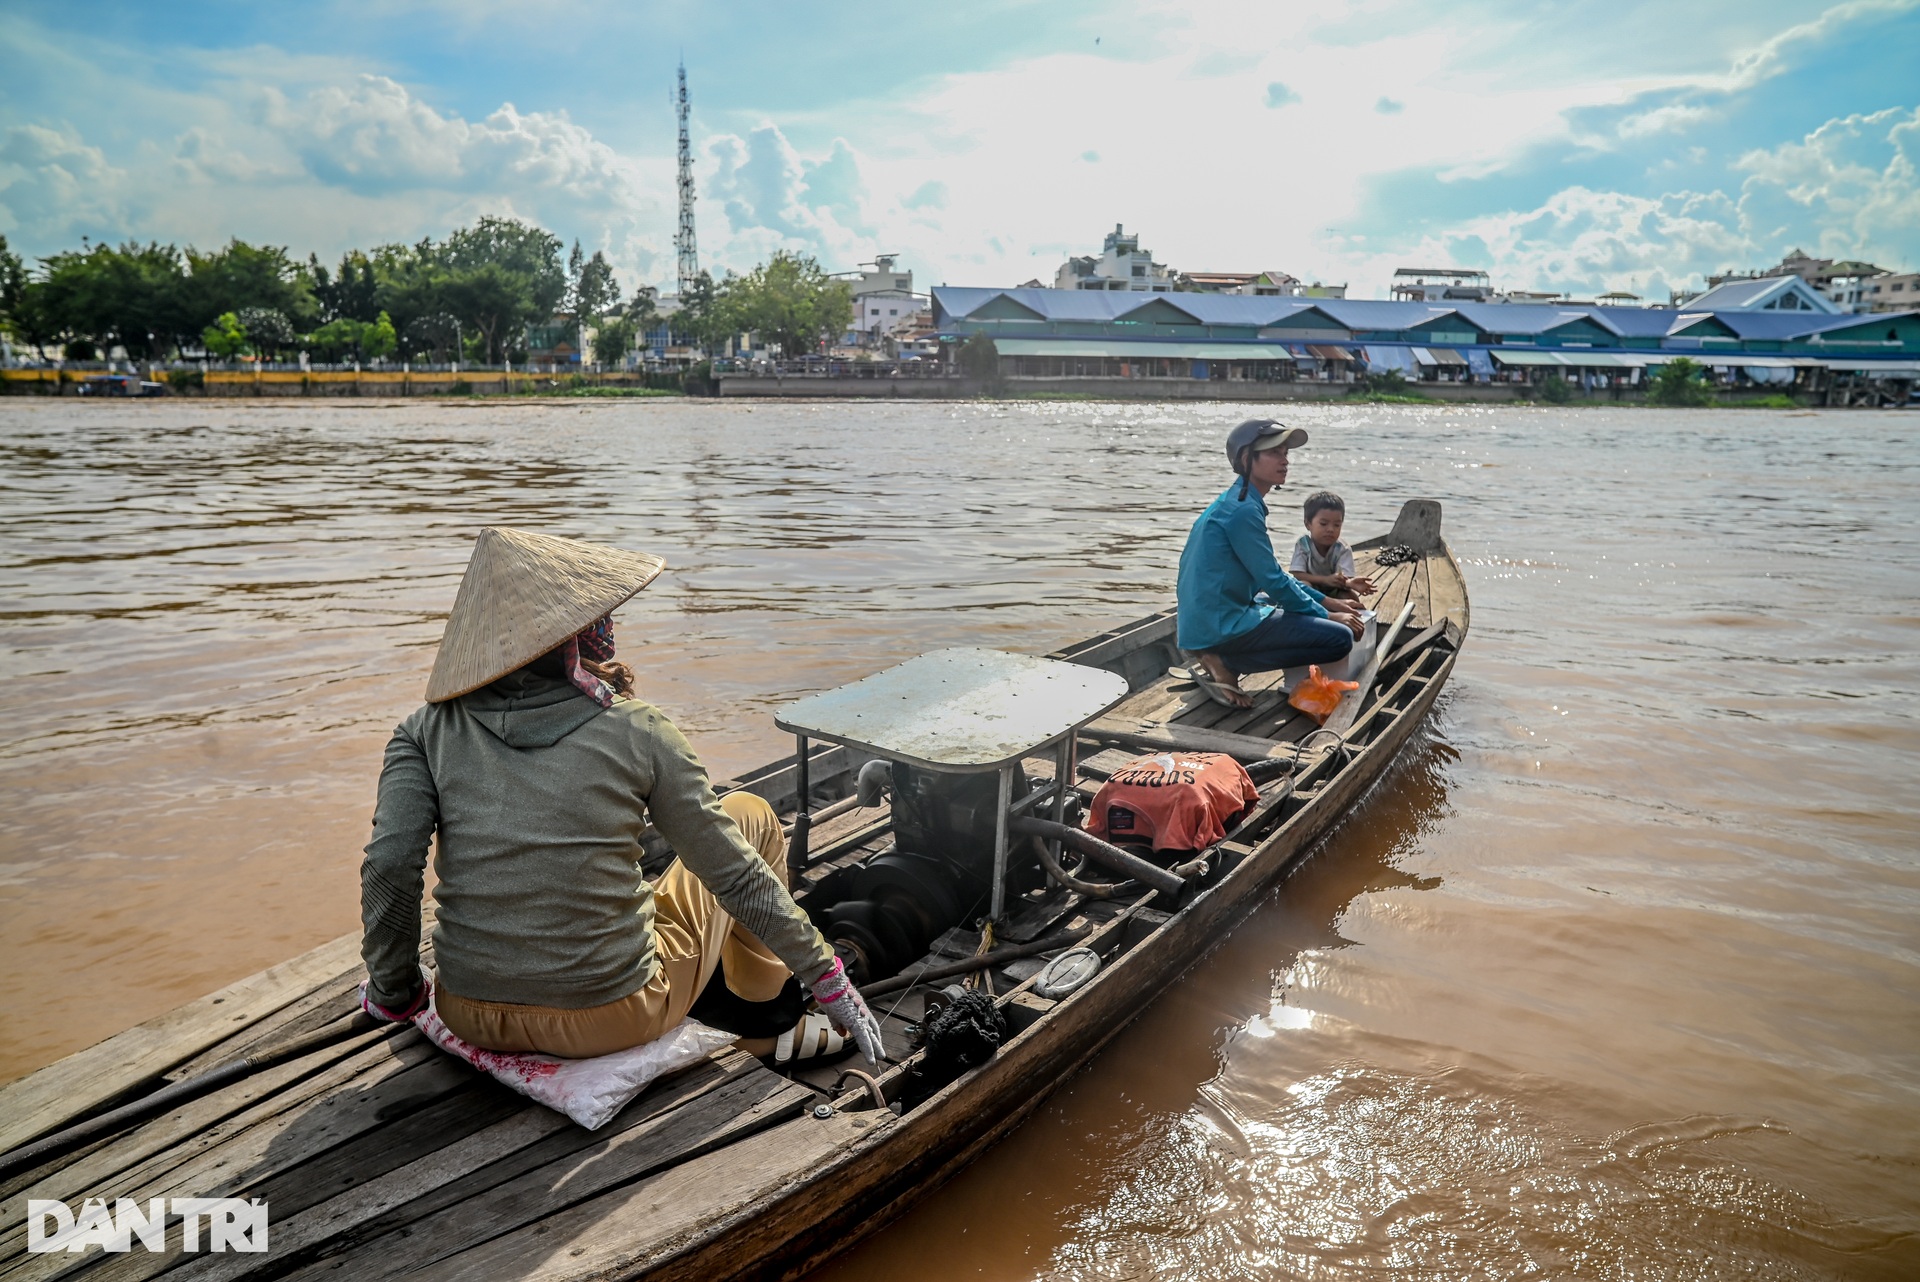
(380, 1156)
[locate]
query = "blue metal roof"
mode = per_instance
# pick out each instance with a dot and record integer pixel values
(1381, 317)
(1748, 295)
(1768, 325)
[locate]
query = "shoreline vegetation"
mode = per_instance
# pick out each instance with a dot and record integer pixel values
(498, 293)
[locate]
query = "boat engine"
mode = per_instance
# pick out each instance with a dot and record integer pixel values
(938, 875)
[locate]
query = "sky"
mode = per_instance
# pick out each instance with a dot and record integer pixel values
(1572, 145)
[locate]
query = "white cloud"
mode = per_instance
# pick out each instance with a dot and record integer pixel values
(994, 175)
(1852, 181)
(1585, 241)
(52, 182)
(374, 136)
(1672, 118)
(1774, 55)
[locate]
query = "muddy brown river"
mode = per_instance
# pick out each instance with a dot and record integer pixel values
(1617, 975)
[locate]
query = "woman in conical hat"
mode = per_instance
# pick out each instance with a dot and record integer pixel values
(538, 769)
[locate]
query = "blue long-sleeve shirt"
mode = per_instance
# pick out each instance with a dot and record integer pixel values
(1230, 580)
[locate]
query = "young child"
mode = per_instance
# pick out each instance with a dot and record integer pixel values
(1320, 558)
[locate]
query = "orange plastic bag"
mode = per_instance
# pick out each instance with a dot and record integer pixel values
(1319, 694)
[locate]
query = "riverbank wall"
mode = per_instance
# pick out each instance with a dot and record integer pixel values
(398, 384)
(383, 383)
(803, 387)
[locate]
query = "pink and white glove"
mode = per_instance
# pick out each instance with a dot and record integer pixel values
(404, 1016)
(848, 1010)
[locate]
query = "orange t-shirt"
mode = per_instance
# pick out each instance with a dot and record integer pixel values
(1172, 800)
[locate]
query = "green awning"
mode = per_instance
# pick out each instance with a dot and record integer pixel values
(1141, 351)
(1575, 358)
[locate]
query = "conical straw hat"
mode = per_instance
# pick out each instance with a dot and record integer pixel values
(524, 594)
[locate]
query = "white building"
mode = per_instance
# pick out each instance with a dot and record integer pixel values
(1889, 292)
(1122, 265)
(1441, 285)
(1267, 284)
(882, 298)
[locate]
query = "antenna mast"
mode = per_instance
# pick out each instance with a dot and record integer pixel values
(683, 243)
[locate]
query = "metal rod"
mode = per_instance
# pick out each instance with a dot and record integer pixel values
(1063, 773)
(802, 821)
(999, 956)
(833, 811)
(1000, 843)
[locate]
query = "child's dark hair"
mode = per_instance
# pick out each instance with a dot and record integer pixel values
(1321, 501)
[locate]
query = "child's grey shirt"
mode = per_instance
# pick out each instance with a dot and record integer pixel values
(1307, 558)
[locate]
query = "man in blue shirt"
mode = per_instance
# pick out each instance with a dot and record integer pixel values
(1240, 611)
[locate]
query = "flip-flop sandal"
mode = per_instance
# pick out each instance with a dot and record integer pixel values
(1214, 690)
(812, 1038)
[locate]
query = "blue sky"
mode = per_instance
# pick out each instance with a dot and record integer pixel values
(1573, 145)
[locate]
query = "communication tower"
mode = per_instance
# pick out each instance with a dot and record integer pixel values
(683, 243)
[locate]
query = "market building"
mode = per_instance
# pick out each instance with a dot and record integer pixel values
(1049, 333)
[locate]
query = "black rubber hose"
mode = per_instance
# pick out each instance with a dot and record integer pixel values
(1089, 889)
(31, 1155)
(985, 961)
(1102, 853)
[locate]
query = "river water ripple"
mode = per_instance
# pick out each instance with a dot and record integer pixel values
(1619, 975)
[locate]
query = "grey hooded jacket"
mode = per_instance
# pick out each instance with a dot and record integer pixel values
(539, 796)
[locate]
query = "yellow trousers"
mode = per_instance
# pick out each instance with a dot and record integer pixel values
(693, 935)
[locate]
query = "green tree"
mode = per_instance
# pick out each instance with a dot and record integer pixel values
(700, 319)
(351, 293)
(592, 291)
(500, 276)
(1680, 382)
(788, 300)
(979, 358)
(1554, 390)
(491, 301)
(240, 275)
(268, 332)
(32, 320)
(643, 309)
(435, 336)
(614, 339)
(379, 340)
(409, 282)
(225, 338)
(13, 285)
(337, 341)
(105, 296)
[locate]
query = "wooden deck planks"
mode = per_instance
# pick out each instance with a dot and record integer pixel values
(70, 1088)
(104, 1174)
(612, 1233)
(103, 1163)
(1448, 594)
(470, 1172)
(1149, 737)
(1395, 586)
(748, 1102)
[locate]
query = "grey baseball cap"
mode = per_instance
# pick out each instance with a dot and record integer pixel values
(1263, 434)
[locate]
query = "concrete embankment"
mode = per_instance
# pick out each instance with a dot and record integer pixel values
(1114, 389)
(771, 387)
(385, 384)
